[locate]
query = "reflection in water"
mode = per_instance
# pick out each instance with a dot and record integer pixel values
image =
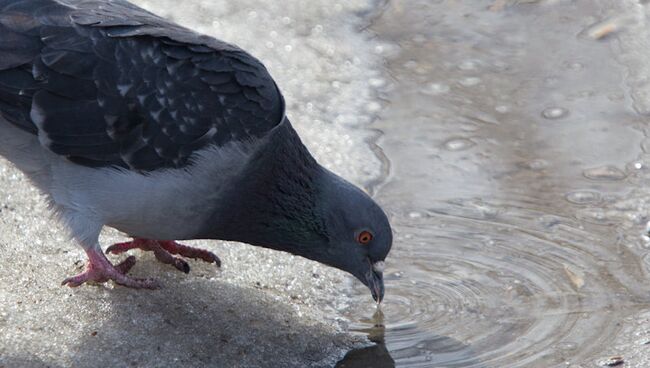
(516, 186)
(359, 358)
(440, 349)
(377, 354)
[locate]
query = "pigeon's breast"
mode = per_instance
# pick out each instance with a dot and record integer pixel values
(166, 204)
(163, 204)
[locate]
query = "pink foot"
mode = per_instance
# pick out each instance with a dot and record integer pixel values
(163, 250)
(99, 269)
(118, 248)
(190, 252)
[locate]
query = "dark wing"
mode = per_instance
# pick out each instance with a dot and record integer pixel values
(106, 83)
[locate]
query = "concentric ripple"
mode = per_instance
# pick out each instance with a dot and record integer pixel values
(492, 294)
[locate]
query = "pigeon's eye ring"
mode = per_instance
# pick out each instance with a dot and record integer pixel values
(364, 237)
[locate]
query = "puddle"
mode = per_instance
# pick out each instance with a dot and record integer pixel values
(516, 141)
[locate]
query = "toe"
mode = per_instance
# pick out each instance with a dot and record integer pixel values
(207, 256)
(68, 281)
(115, 249)
(216, 260)
(181, 265)
(74, 281)
(100, 270)
(125, 266)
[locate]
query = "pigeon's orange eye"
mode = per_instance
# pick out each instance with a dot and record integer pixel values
(364, 237)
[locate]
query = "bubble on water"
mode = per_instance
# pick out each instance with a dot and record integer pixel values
(586, 94)
(538, 164)
(373, 107)
(583, 197)
(502, 109)
(553, 113)
(458, 144)
(411, 64)
(616, 96)
(608, 173)
(569, 345)
(468, 65)
(575, 65)
(596, 214)
(551, 81)
(435, 89)
(415, 215)
(377, 82)
(470, 81)
(419, 38)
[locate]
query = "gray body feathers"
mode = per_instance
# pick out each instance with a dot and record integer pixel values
(125, 119)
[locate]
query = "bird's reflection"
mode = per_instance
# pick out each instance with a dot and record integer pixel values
(443, 350)
(377, 355)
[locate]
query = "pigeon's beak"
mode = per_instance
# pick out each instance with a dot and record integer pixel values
(375, 281)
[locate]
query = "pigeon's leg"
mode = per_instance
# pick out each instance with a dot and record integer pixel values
(99, 269)
(164, 250)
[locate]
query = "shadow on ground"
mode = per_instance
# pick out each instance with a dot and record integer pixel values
(191, 322)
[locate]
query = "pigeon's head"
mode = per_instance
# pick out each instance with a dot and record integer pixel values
(297, 206)
(359, 234)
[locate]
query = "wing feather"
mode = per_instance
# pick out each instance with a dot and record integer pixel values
(105, 83)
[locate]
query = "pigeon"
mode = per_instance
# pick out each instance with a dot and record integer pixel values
(127, 120)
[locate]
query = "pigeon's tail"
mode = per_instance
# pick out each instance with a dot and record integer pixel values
(20, 45)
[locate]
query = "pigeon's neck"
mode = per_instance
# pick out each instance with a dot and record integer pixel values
(275, 200)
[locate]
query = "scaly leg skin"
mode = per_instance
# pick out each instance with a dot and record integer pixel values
(163, 250)
(99, 269)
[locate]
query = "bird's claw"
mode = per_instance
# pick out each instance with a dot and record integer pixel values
(164, 251)
(190, 252)
(181, 265)
(100, 270)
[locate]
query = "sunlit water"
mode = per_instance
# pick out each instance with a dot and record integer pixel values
(516, 135)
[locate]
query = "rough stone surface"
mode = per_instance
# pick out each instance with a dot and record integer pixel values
(264, 308)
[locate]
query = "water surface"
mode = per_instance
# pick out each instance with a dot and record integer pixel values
(516, 136)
